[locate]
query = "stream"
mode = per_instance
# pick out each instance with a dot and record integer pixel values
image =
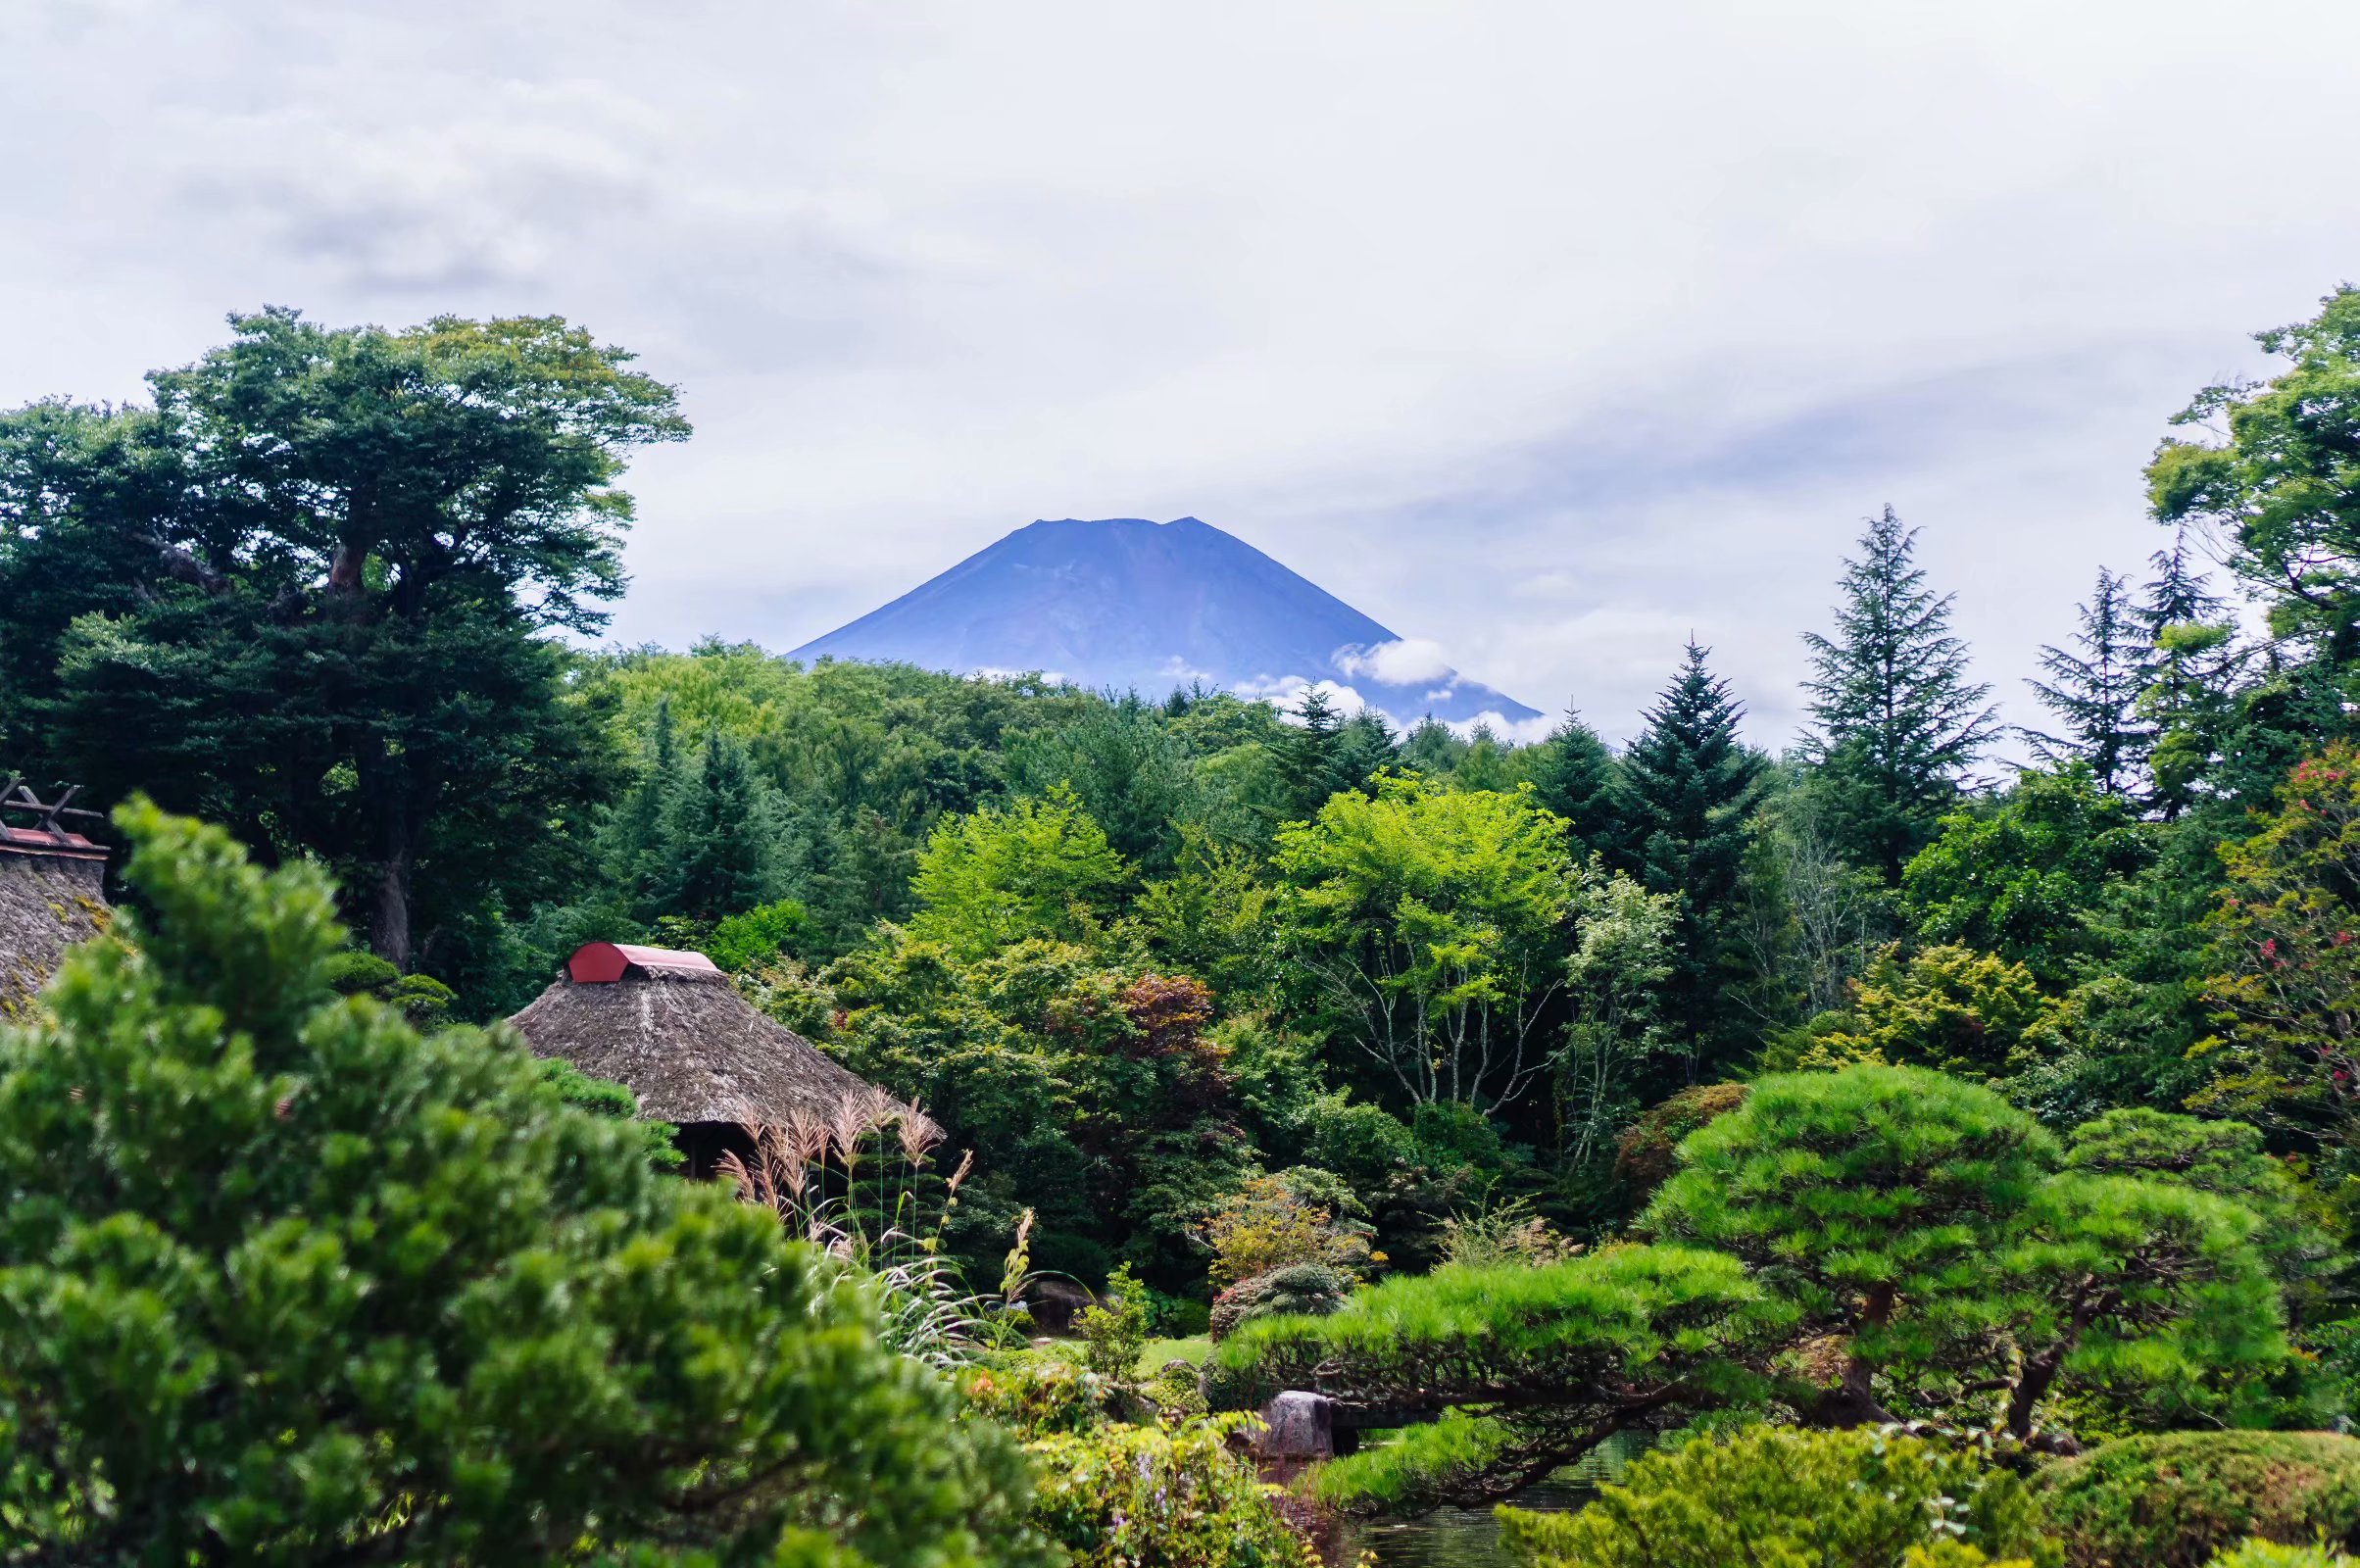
(1469, 1537)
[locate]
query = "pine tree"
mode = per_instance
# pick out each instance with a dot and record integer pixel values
(1577, 777)
(721, 837)
(1364, 747)
(1431, 748)
(2186, 702)
(1689, 787)
(1307, 761)
(1898, 719)
(634, 835)
(2095, 692)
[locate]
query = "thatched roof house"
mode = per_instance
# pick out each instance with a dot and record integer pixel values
(51, 895)
(670, 1027)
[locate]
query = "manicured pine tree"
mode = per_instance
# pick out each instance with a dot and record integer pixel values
(720, 835)
(1898, 719)
(1688, 789)
(2095, 692)
(1577, 777)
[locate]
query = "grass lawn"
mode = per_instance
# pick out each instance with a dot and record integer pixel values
(1159, 1351)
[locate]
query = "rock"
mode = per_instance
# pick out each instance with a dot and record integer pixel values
(1301, 1426)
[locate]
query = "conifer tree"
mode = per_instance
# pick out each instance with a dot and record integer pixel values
(719, 836)
(1576, 777)
(1431, 748)
(1364, 747)
(2095, 692)
(1898, 719)
(634, 835)
(1690, 786)
(1306, 759)
(2186, 702)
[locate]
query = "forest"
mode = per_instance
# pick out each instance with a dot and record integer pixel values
(1967, 1108)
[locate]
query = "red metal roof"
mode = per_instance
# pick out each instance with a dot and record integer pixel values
(605, 962)
(49, 841)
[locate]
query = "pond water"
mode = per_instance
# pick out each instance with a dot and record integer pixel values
(1469, 1537)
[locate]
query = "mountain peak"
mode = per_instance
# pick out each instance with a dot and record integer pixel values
(1129, 603)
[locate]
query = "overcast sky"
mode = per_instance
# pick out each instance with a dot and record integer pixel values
(1553, 332)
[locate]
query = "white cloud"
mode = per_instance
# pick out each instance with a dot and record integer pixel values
(1403, 661)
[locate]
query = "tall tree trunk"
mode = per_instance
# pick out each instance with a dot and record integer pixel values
(389, 920)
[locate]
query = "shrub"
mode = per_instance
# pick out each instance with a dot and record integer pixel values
(1172, 1496)
(1175, 1388)
(1788, 1499)
(1646, 1153)
(1035, 1396)
(1311, 1289)
(2173, 1500)
(1273, 1222)
(282, 1281)
(1504, 1233)
(2266, 1554)
(1115, 1330)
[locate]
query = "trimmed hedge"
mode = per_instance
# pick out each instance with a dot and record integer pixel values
(2175, 1500)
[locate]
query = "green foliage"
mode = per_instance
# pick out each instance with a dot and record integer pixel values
(615, 1102)
(1787, 1499)
(1575, 776)
(1690, 790)
(1646, 1153)
(348, 662)
(1899, 720)
(1551, 1360)
(1034, 1396)
(2226, 1159)
(2279, 486)
(285, 1281)
(1504, 1233)
(1423, 922)
(1128, 771)
(1917, 1219)
(2285, 988)
(1115, 1328)
(1124, 1496)
(1629, 944)
(2024, 879)
(1947, 1008)
(2095, 693)
(2266, 1554)
(2175, 1500)
(1289, 1290)
(1034, 869)
(1087, 1091)
(719, 855)
(1273, 1221)
(758, 936)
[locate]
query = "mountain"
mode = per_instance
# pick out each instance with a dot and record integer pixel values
(1134, 605)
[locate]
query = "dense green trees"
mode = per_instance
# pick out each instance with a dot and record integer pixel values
(281, 1280)
(304, 593)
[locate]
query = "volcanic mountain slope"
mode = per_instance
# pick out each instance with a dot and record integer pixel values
(1145, 607)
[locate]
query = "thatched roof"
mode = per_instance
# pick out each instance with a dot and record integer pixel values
(52, 896)
(673, 1030)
